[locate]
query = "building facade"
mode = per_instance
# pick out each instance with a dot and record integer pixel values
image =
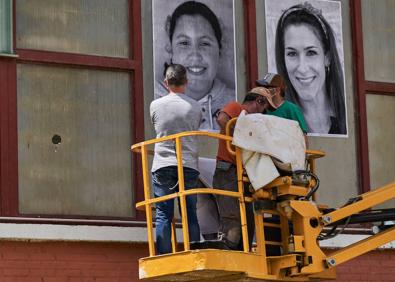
(76, 81)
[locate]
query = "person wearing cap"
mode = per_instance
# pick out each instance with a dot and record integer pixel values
(285, 109)
(257, 100)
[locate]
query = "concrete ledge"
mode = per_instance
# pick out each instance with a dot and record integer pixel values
(57, 232)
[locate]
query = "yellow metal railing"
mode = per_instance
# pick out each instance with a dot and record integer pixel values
(149, 201)
(182, 193)
(302, 257)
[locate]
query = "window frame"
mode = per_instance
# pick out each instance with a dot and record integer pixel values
(133, 64)
(363, 87)
(9, 201)
(11, 23)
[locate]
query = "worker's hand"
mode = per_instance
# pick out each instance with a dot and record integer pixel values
(222, 119)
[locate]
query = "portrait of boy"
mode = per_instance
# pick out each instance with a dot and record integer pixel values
(200, 36)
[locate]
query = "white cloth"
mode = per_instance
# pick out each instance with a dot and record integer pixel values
(261, 137)
(259, 167)
(207, 169)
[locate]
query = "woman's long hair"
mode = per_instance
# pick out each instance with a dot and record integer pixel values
(308, 15)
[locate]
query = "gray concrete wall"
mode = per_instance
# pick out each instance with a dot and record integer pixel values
(381, 119)
(379, 55)
(338, 170)
(378, 23)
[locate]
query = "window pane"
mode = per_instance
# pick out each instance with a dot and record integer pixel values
(381, 136)
(379, 39)
(88, 112)
(5, 27)
(94, 27)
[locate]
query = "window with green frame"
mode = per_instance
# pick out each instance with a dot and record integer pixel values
(6, 27)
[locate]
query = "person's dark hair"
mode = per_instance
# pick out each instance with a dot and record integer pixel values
(192, 8)
(308, 15)
(176, 75)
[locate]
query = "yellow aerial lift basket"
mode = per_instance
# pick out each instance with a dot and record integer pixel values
(301, 259)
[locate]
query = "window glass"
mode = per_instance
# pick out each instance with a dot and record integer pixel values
(74, 135)
(381, 136)
(5, 27)
(94, 27)
(379, 39)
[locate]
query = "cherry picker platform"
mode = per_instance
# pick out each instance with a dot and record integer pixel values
(290, 198)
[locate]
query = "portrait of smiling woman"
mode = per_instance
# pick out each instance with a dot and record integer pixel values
(200, 40)
(307, 57)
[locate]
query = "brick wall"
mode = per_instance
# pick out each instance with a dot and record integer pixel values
(22, 261)
(374, 266)
(69, 261)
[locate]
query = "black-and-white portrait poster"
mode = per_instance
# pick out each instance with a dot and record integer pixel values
(305, 46)
(200, 36)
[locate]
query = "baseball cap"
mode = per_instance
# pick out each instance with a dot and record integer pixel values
(265, 93)
(272, 80)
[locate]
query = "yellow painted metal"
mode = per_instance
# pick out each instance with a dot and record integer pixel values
(141, 205)
(217, 265)
(298, 244)
(292, 190)
(360, 247)
(363, 202)
(262, 194)
(314, 257)
(260, 237)
(311, 156)
(229, 132)
(135, 147)
(194, 261)
(302, 258)
(173, 236)
(282, 186)
(277, 265)
(284, 233)
(269, 224)
(279, 181)
(328, 274)
(182, 199)
(240, 186)
(147, 194)
(314, 154)
(182, 193)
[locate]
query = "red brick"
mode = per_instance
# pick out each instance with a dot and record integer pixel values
(41, 272)
(105, 280)
(385, 277)
(118, 262)
(55, 279)
(21, 279)
(80, 257)
(16, 272)
(42, 256)
(389, 263)
(68, 272)
(16, 256)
